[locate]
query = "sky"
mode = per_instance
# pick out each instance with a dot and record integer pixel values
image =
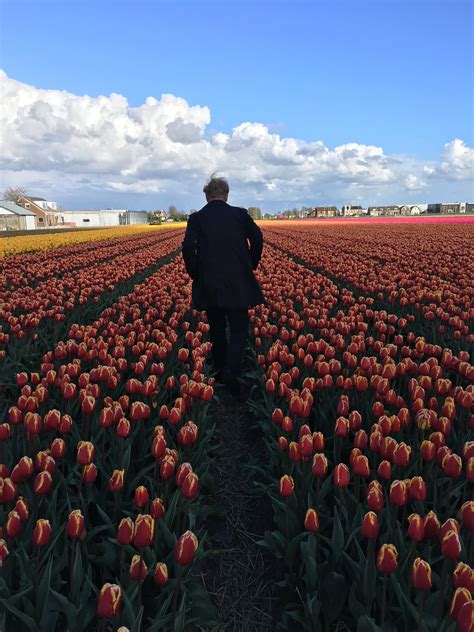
(134, 103)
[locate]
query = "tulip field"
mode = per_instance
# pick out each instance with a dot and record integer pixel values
(359, 378)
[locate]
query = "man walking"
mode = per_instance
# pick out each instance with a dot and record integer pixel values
(221, 248)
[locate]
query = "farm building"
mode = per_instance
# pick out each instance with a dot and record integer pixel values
(44, 211)
(14, 217)
(104, 217)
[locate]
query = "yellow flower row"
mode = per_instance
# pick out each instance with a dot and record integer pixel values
(49, 241)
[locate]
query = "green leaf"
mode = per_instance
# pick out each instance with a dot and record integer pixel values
(137, 624)
(66, 607)
(44, 585)
(369, 575)
(21, 616)
(202, 608)
(333, 594)
(337, 539)
(366, 624)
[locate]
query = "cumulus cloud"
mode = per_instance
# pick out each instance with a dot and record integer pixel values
(76, 146)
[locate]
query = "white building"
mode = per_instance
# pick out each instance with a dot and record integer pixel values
(14, 217)
(103, 217)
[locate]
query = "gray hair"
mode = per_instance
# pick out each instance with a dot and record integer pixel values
(216, 187)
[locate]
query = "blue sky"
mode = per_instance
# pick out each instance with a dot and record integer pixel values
(389, 73)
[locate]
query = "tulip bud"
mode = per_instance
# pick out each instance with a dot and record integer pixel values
(13, 526)
(448, 525)
(361, 466)
(144, 530)
(123, 427)
(318, 441)
(42, 483)
(141, 497)
(138, 569)
(341, 475)
(431, 525)
(451, 545)
(370, 526)
(22, 509)
(110, 598)
(398, 493)
(427, 450)
(384, 470)
(311, 522)
(58, 449)
(116, 480)
(85, 452)
(360, 439)
(190, 486)
(22, 470)
(421, 576)
(375, 501)
(341, 428)
(416, 529)
(185, 548)
(320, 465)
(4, 552)
(287, 485)
(460, 597)
(466, 617)
(452, 465)
(89, 473)
(125, 531)
(157, 509)
(463, 577)
(75, 524)
(160, 576)
(387, 558)
(402, 455)
(417, 489)
(467, 515)
(41, 533)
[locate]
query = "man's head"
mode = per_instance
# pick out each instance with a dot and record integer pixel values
(216, 189)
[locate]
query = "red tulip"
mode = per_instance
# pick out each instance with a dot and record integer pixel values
(125, 531)
(13, 525)
(138, 569)
(287, 485)
(467, 515)
(42, 483)
(116, 480)
(341, 475)
(451, 545)
(141, 497)
(431, 525)
(185, 548)
(85, 452)
(41, 533)
(4, 552)
(416, 529)
(161, 574)
(190, 486)
(157, 509)
(110, 598)
(75, 524)
(387, 558)
(463, 577)
(144, 530)
(421, 576)
(465, 619)
(311, 522)
(370, 526)
(398, 493)
(460, 597)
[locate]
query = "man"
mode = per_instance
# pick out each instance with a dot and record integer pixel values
(221, 248)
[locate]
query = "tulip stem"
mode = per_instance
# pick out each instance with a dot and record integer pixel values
(176, 593)
(420, 610)
(384, 600)
(442, 588)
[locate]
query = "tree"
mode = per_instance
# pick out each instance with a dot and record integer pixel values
(13, 194)
(255, 212)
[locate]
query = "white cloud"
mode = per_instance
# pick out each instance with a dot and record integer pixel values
(81, 148)
(457, 161)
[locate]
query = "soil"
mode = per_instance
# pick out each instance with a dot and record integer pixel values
(241, 580)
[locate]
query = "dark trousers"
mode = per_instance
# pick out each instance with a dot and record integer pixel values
(227, 355)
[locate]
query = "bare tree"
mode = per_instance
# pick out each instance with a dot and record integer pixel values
(13, 194)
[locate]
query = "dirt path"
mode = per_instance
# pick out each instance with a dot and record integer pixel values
(240, 580)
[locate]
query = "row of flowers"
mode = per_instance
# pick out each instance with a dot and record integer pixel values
(425, 270)
(49, 290)
(104, 457)
(370, 463)
(50, 241)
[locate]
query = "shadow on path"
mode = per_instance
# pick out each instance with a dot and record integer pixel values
(241, 579)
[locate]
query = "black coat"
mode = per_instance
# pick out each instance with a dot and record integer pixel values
(221, 248)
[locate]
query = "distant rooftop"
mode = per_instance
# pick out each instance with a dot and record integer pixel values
(14, 208)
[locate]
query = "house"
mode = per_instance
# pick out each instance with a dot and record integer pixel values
(349, 210)
(448, 207)
(14, 217)
(46, 216)
(323, 211)
(384, 210)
